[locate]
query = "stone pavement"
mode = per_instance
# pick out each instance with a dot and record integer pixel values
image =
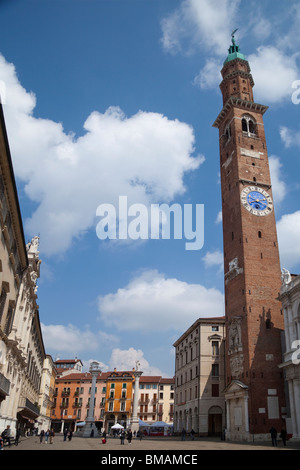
(146, 444)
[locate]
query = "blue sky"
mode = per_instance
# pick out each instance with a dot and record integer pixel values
(109, 98)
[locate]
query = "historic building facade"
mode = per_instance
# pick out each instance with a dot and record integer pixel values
(156, 399)
(46, 393)
(113, 401)
(290, 298)
(254, 393)
(199, 378)
(71, 401)
(21, 346)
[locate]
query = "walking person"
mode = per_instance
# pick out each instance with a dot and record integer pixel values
(283, 435)
(42, 435)
(18, 435)
(183, 433)
(273, 433)
(122, 436)
(51, 434)
(129, 436)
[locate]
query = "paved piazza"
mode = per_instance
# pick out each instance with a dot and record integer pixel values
(147, 444)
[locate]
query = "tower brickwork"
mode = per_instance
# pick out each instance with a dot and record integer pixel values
(254, 322)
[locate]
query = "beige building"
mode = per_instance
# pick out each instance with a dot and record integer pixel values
(290, 298)
(46, 394)
(21, 345)
(199, 378)
(156, 399)
(13, 263)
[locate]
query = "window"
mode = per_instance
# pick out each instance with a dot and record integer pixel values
(215, 370)
(215, 348)
(2, 301)
(215, 390)
(227, 132)
(268, 323)
(214, 328)
(248, 125)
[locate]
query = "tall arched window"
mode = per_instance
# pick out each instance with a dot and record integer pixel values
(248, 125)
(227, 132)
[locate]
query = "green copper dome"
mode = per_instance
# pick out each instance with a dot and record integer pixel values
(234, 51)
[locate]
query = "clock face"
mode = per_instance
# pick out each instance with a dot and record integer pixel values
(256, 200)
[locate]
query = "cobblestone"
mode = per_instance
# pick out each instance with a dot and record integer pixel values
(146, 444)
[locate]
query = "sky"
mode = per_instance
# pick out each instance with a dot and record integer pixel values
(109, 106)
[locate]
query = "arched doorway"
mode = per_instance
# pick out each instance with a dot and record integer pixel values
(215, 421)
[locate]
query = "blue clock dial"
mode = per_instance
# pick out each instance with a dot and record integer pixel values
(256, 200)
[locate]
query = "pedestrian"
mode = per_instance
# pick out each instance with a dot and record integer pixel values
(129, 436)
(18, 434)
(65, 434)
(51, 434)
(70, 435)
(283, 435)
(273, 433)
(139, 434)
(6, 435)
(47, 436)
(122, 436)
(183, 433)
(192, 434)
(42, 435)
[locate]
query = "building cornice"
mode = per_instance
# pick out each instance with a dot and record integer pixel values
(233, 101)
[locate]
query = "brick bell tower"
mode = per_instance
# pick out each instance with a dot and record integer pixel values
(254, 391)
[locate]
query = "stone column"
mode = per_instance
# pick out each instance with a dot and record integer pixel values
(135, 419)
(90, 421)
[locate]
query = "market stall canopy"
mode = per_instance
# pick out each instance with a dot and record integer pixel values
(117, 426)
(160, 424)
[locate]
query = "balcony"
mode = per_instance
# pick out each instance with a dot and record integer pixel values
(4, 385)
(144, 401)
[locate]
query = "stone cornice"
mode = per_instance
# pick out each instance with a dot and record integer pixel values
(242, 104)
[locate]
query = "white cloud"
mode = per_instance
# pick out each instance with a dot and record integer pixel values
(219, 217)
(289, 137)
(151, 301)
(195, 23)
(209, 77)
(72, 340)
(68, 178)
(278, 185)
(274, 72)
(214, 258)
(288, 232)
(126, 360)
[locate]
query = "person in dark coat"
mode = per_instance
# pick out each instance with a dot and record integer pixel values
(283, 435)
(273, 433)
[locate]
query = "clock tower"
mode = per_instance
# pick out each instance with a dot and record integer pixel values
(254, 390)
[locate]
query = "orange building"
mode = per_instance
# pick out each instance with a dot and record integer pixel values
(119, 398)
(72, 400)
